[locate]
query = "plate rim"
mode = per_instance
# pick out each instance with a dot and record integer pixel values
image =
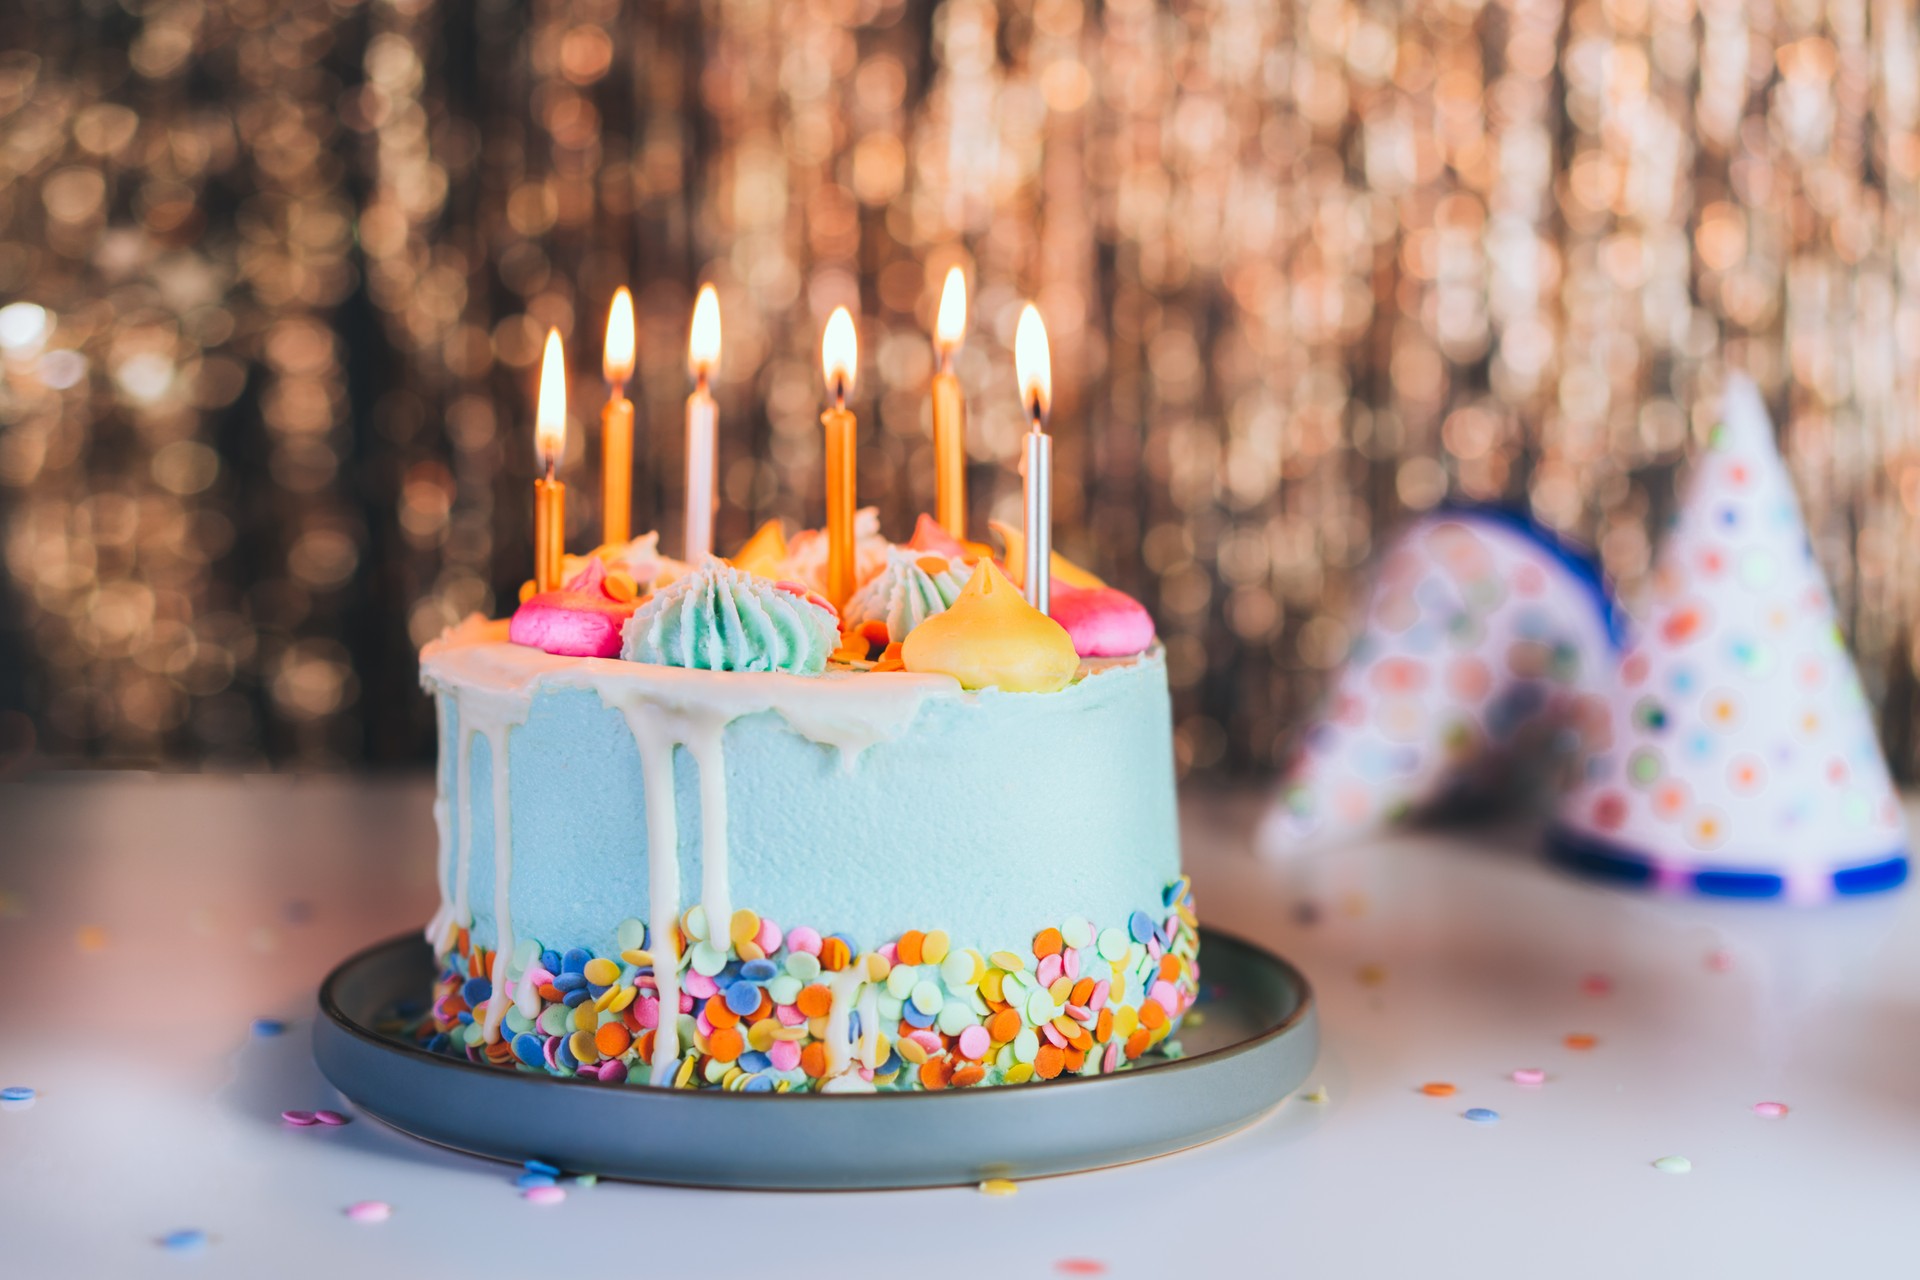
(330, 1008)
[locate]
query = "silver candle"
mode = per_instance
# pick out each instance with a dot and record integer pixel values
(1034, 364)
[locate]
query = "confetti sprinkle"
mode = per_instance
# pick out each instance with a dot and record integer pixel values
(999, 1187)
(185, 1240)
(1480, 1115)
(1317, 1094)
(548, 1194)
(332, 1118)
(1529, 1075)
(17, 1097)
(370, 1211)
(1770, 1110)
(1673, 1164)
(301, 1119)
(1581, 1041)
(266, 1027)
(1597, 984)
(1080, 1267)
(1719, 961)
(1437, 1089)
(91, 938)
(1371, 975)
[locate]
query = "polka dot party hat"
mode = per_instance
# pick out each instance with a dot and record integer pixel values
(1483, 658)
(1742, 760)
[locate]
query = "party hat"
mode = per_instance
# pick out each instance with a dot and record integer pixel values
(1742, 760)
(1482, 660)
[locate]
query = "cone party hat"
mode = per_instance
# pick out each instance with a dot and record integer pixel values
(1742, 760)
(1484, 656)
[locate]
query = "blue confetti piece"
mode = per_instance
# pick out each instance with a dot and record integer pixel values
(264, 1027)
(541, 1166)
(185, 1240)
(475, 990)
(575, 961)
(1481, 1115)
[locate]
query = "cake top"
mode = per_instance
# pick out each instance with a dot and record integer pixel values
(930, 607)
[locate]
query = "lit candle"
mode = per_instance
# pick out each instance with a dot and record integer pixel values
(950, 410)
(1034, 364)
(616, 426)
(703, 423)
(550, 441)
(839, 356)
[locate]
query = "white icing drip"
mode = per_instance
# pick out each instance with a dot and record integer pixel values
(663, 885)
(498, 1000)
(846, 987)
(870, 1026)
(443, 828)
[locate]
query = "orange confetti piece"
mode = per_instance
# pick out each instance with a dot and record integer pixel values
(1049, 1062)
(1581, 1041)
(719, 1014)
(908, 948)
(1003, 1026)
(1438, 1089)
(813, 1059)
(1048, 942)
(612, 1040)
(814, 1001)
(727, 1043)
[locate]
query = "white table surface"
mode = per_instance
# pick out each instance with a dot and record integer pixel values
(145, 920)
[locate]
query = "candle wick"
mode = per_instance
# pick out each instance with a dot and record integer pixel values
(700, 380)
(840, 391)
(550, 465)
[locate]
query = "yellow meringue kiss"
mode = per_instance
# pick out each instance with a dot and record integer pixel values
(991, 637)
(763, 553)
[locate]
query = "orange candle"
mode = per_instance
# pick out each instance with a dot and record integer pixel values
(616, 425)
(550, 440)
(839, 356)
(950, 410)
(703, 426)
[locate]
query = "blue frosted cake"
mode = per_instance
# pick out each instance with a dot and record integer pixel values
(925, 840)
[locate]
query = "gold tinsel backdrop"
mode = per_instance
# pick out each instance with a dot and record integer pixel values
(277, 271)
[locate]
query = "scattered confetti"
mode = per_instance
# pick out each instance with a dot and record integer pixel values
(91, 938)
(370, 1211)
(17, 1097)
(332, 1117)
(587, 1180)
(548, 1194)
(1437, 1089)
(1719, 961)
(1597, 984)
(185, 1240)
(1316, 1094)
(1673, 1164)
(535, 1179)
(1529, 1075)
(541, 1166)
(1771, 1110)
(266, 1027)
(1481, 1115)
(300, 1118)
(1371, 975)
(1581, 1041)
(1080, 1267)
(999, 1187)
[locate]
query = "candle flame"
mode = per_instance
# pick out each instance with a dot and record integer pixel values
(1034, 363)
(951, 324)
(840, 353)
(550, 419)
(618, 360)
(703, 341)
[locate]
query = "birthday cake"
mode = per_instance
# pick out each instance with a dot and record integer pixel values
(700, 828)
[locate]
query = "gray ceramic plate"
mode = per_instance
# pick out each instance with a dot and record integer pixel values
(1253, 1045)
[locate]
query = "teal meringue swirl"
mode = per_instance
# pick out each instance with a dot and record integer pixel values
(718, 618)
(903, 594)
